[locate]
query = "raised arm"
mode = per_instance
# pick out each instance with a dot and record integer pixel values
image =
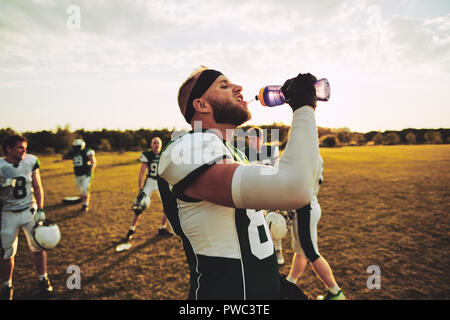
(256, 186)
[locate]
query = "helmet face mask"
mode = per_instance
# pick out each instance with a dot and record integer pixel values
(277, 225)
(78, 144)
(139, 205)
(46, 235)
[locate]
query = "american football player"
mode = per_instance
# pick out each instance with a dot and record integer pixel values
(210, 192)
(148, 184)
(21, 206)
(84, 163)
(304, 244)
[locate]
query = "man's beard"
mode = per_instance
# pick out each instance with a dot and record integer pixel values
(227, 113)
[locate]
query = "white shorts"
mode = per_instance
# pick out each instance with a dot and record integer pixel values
(83, 183)
(304, 231)
(150, 186)
(11, 222)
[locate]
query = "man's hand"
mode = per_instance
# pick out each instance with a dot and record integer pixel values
(141, 195)
(300, 91)
(39, 216)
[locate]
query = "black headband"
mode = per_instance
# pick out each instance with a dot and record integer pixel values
(205, 80)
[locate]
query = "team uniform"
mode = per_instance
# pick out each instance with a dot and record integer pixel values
(82, 168)
(17, 205)
(305, 220)
(152, 161)
(229, 250)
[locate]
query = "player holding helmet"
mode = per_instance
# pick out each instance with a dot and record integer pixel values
(148, 184)
(21, 206)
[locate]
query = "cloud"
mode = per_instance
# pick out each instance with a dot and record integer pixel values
(128, 37)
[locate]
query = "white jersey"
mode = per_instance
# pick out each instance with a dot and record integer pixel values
(237, 240)
(21, 196)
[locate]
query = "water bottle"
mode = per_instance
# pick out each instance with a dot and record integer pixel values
(271, 96)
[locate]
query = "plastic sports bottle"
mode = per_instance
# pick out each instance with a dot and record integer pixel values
(271, 96)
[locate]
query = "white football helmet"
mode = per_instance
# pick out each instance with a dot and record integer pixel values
(277, 225)
(139, 205)
(46, 234)
(79, 143)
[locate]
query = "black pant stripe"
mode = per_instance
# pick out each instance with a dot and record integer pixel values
(304, 233)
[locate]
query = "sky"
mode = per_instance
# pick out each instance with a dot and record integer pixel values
(118, 64)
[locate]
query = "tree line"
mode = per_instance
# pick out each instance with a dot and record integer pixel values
(60, 140)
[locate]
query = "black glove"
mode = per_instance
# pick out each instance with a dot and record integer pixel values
(300, 91)
(140, 196)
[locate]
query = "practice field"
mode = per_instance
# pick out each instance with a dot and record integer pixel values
(382, 206)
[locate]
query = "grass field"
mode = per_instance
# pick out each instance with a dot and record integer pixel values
(384, 206)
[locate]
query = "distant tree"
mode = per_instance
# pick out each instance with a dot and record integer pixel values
(378, 138)
(344, 135)
(410, 138)
(391, 139)
(370, 135)
(323, 131)
(357, 139)
(104, 145)
(329, 141)
(433, 137)
(63, 139)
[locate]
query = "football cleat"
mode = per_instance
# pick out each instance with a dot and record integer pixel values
(6, 293)
(164, 232)
(45, 287)
(280, 258)
(129, 235)
(84, 208)
(329, 296)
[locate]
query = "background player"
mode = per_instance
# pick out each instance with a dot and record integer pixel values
(258, 151)
(21, 206)
(148, 184)
(304, 244)
(84, 163)
(263, 153)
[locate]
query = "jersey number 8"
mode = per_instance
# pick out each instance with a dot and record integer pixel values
(261, 244)
(20, 191)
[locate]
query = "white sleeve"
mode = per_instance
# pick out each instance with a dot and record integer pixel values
(290, 185)
(143, 158)
(186, 156)
(90, 152)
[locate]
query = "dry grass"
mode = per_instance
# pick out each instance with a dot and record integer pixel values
(385, 206)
